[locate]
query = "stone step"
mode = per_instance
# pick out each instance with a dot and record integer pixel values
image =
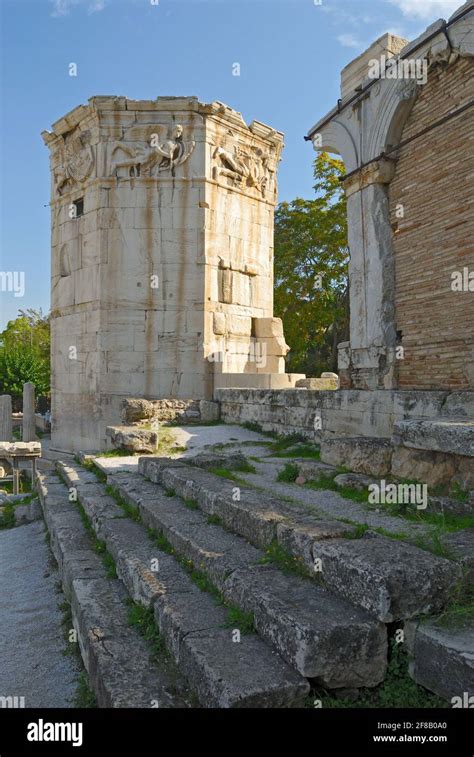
(442, 659)
(222, 672)
(451, 435)
(320, 634)
(391, 579)
(116, 657)
(252, 514)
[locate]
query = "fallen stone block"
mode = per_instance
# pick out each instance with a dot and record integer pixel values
(327, 382)
(360, 454)
(209, 411)
(357, 481)
(312, 470)
(133, 438)
(134, 410)
(442, 660)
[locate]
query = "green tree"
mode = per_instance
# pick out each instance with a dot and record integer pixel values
(311, 271)
(24, 354)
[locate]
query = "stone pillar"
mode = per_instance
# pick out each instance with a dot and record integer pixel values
(372, 277)
(5, 418)
(29, 412)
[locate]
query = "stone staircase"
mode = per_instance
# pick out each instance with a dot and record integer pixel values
(203, 554)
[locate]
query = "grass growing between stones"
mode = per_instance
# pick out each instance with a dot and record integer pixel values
(430, 542)
(227, 473)
(132, 512)
(243, 621)
(257, 428)
(289, 473)
(277, 555)
(294, 446)
(143, 619)
(214, 520)
(359, 530)
(327, 483)
(398, 690)
(167, 445)
(97, 545)
(447, 522)
(7, 510)
(324, 482)
(7, 516)
(107, 560)
(92, 467)
(459, 613)
(236, 618)
(453, 492)
(84, 696)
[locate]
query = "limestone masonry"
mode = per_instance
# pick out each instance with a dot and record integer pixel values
(162, 257)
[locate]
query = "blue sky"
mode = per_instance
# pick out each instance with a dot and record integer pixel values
(290, 53)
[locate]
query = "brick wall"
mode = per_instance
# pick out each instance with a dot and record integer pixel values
(434, 181)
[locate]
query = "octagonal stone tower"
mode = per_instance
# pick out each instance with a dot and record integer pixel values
(162, 257)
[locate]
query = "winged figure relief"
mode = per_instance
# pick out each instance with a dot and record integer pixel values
(76, 162)
(250, 169)
(142, 160)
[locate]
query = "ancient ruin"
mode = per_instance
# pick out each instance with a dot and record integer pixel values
(406, 374)
(228, 535)
(162, 258)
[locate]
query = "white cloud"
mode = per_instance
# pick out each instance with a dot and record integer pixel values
(63, 7)
(348, 40)
(96, 6)
(429, 10)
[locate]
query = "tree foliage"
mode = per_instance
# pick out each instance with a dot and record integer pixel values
(24, 354)
(311, 271)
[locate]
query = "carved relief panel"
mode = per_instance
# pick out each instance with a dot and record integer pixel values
(246, 167)
(156, 152)
(76, 161)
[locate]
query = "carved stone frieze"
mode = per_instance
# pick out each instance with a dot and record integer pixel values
(246, 168)
(152, 157)
(77, 161)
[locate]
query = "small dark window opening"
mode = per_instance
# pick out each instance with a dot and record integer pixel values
(79, 205)
(399, 336)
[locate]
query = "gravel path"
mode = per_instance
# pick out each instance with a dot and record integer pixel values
(32, 663)
(328, 503)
